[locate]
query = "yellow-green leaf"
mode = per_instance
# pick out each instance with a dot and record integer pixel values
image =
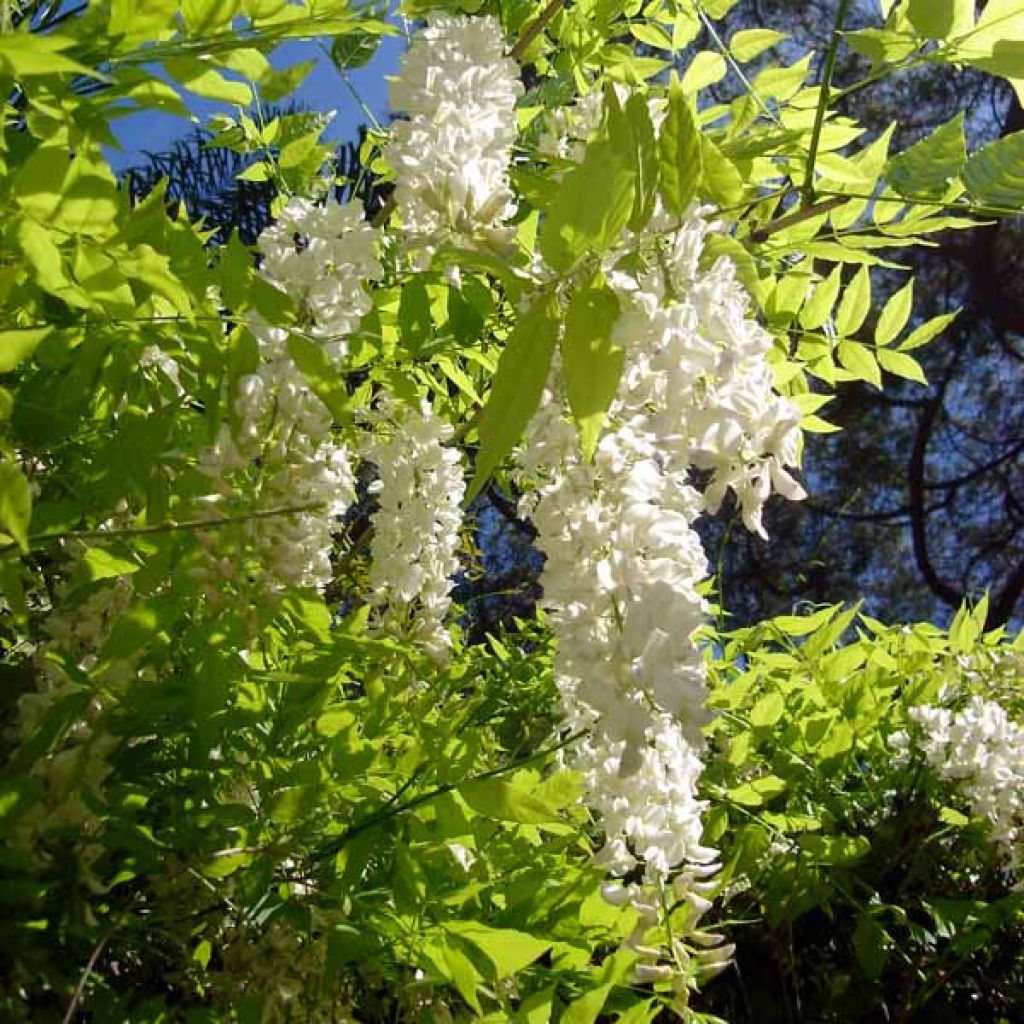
(895, 315)
(16, 345)
(855, 303)
(591, 360)
(15, 503)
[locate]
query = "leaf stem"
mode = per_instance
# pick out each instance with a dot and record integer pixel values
(823, 100)
(390, 810)
(166, 527)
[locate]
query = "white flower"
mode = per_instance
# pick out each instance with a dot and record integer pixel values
(321, 255)
(420, 487)
(451, 156)
(981, 750)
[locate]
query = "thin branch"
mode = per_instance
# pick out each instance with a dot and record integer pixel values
(535, 28)
(167, 527)
(763, 233)
(823, 99)
(69, 1016)
(390, 811)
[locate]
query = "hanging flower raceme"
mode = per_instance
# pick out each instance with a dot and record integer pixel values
(321, 254)
(623, 560)
(451, 157)
(419, 488)
(275, 452)
(980, 749)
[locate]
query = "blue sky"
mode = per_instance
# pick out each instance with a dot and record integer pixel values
(322, 90)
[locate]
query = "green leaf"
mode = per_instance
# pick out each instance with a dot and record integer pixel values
(855, 303)
(927, 331)
(860, 361)
(895, 315)
(644, 152)
(592, 362)
(47, 264)
(15, 503)
(679, 152)
(18, 344)
(901, 365)
(100, 564)
(153, 269)
(518, 384)
(502, 800)
(995, 174)
(928, 167)
(507, 949)
(718, 245)
(202, 953)
(706, 68)
(76, 196)
(354, 50)
(203, 80)
(26, 54)
(941, 19)
(767, 711)
(818, 307)
(752, 42)
(236, 265)
(321, 375)
(871, 943)
(536, 1008)
(722, 182)
(586, 1009)
(591, 207)
(463, 974)
(207, 16)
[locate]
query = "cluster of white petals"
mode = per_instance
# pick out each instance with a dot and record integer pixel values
(321, 254)
(451, 157)
(623, 559)
(419, 488)
(702, 363)
(277, 456)
(980, 749)
(275, 450)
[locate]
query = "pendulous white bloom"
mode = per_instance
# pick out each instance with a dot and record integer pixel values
(321, 254)
(420, 486)
(623, 560)
(275, 452)
(451, 157)
(981, 750)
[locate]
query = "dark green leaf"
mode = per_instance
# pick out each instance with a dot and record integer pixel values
(995, 174)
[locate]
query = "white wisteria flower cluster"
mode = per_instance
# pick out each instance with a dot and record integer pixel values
(980, 749)
(451, 157)
(623, 560)
(277, 457)
(321, 254)
(414, 553)
(276, 449)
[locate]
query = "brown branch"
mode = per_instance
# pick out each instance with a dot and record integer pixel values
(69, 1016)
(762, 234)
(535, 28)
